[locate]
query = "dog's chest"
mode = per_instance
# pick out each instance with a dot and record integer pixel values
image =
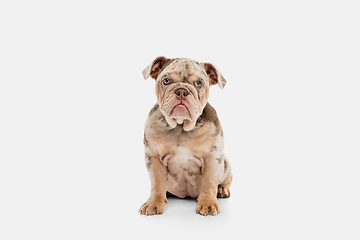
(183, 172)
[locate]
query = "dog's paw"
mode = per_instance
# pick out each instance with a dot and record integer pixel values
(223, 192)
(207, 206)
(152, 207)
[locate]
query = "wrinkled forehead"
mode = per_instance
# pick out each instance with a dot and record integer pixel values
(184, 67)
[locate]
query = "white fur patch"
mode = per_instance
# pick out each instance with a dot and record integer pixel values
(183, 155)
(184, 173)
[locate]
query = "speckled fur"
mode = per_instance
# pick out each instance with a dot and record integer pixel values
(183, 161)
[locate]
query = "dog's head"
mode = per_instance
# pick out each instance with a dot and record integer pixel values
(182, 88)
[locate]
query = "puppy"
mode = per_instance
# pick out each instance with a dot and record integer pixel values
(183, 137)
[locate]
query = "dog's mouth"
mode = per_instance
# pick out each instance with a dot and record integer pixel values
(180, 110)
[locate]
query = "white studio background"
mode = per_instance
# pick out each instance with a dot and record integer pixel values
(73, 106)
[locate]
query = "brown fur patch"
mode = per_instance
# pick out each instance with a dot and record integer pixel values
(145, 141)
(148, 161)
(209, 115)
(153, 110)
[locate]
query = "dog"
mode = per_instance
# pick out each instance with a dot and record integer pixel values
(183, 137)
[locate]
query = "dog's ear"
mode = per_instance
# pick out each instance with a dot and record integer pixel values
(154, 68)
(214, 75)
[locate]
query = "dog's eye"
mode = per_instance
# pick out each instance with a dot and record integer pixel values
(198, 84)
(166, 81)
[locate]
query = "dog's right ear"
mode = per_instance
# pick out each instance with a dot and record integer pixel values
(154, 68)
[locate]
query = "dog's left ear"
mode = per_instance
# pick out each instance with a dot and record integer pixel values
(154, 68)
(214, 75)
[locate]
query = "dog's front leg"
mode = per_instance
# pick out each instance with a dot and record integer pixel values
(207, 203)
(157, 201)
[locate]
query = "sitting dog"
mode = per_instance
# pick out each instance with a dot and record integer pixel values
(183, 137)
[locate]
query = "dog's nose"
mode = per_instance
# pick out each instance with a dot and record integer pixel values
(182, 92)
